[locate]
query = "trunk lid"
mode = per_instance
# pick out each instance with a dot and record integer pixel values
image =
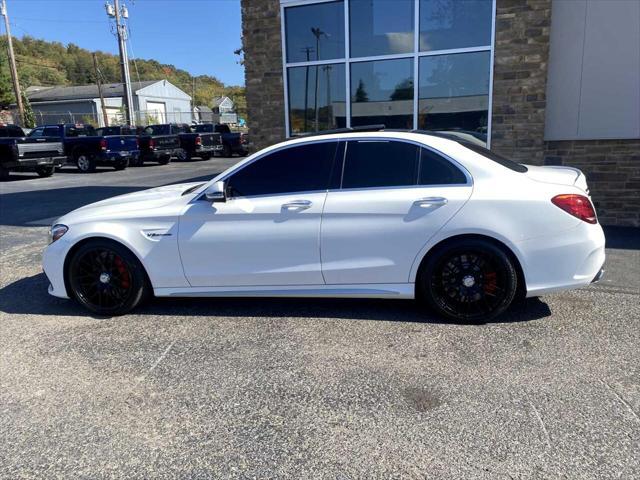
(558, 175)
(166, 142)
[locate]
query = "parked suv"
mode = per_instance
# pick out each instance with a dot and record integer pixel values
(18, 153)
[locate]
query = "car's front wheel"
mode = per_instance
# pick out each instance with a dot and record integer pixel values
(106, 278)
(468, 280)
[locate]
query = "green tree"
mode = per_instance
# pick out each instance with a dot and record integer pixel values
(29, 120)
(403, 91)
(361, 93)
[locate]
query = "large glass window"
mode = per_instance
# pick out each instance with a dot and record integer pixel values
(382, 92)
(303, 168)
(316, 98)
(315, 32)
(454, 93)
(448, 24)
(380, 164)
(381, 27)
(380, 70)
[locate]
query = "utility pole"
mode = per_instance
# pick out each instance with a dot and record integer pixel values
(105, 118)
(12, 62)
(121, 31)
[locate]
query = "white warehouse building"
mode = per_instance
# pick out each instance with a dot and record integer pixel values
(154, 101)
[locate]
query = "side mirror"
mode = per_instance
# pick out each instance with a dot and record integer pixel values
(216, 192)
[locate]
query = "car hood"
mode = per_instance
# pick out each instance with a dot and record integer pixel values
(128, 204)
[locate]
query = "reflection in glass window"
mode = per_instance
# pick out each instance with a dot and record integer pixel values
(382, 92)
(316, 98)
(381, 27)
(454, 94)
(315, 32)
(446, 24)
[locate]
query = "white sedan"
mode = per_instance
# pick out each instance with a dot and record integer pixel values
(379, 214)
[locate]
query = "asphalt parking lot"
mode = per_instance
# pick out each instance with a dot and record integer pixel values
(305, 388)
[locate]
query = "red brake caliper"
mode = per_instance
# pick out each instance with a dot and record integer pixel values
(490, 282)
(125, 279)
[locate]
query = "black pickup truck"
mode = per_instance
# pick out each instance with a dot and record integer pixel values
(157, 144)
(19, 153)
(194, 144)
(232, 142)
(84, 147)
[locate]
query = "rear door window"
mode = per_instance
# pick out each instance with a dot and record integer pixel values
(437, 170)
(380, 163)
(302, 168)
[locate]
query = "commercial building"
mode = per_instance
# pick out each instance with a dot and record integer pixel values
(543, 82)
(155, 101)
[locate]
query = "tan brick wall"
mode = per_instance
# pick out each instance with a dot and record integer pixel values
(520, 78)
(612, 168)
(263, 71)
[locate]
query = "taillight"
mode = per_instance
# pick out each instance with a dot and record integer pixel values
(198, 140)
(577, 205)
(243, 138)
(152, 143)
(103, 144)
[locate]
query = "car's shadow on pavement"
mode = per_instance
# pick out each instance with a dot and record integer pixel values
(28, 296)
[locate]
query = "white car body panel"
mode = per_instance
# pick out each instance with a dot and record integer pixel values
(348, 242)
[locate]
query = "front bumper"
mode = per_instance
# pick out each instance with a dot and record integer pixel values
(53, 266)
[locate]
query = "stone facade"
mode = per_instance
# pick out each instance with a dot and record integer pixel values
(612, 168)
(519, 101)
(520, 79)
(261, 41)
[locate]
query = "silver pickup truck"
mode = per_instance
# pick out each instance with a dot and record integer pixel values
(19, 153)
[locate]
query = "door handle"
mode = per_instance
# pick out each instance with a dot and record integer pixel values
(430, 202)
(297, 205)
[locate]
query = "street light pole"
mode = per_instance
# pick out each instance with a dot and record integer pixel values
(121, 31)
(12, 62)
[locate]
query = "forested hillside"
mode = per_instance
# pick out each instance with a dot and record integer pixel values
(52, 63)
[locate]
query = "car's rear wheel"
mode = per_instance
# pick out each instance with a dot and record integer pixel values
(85, 162)
(206, 156)
(183, 155)
(45, 171)
(4, 173)
(164, 160)
(468, 280)
(226, 151)
(121, 165)
(106, 278)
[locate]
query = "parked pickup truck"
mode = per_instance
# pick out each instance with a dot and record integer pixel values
(157, 144)
(84, 147)
(19, 153)
(193, 144)
(232, 142)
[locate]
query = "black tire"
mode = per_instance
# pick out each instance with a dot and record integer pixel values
(226, 151)
(121, 165)
(106, 278)
(85, 162)
(468, 280)
(136, 161)
(206, 156)
(46, 171)
(164, 160)
(183, 155)
(4, 173)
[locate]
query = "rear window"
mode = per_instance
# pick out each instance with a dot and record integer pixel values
(80, 131)
(158, 130)
(205, 128)
(485, 152)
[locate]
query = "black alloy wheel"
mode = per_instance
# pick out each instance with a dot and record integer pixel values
(469, 281)
(106, 278)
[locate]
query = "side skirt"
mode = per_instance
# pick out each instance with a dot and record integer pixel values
(375, 290)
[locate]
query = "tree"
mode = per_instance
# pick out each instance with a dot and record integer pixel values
(361, 93)
(403, 91)
(6, 90)
(29, 120)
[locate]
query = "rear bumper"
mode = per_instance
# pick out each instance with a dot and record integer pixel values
(33, 163)
(566, 261)
(159, 154)
(111, 157)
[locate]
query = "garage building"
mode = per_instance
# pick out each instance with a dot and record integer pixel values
(155, 101)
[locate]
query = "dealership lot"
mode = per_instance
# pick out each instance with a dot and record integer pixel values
(306, 388)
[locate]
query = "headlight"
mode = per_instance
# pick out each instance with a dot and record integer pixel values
(57, 231)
